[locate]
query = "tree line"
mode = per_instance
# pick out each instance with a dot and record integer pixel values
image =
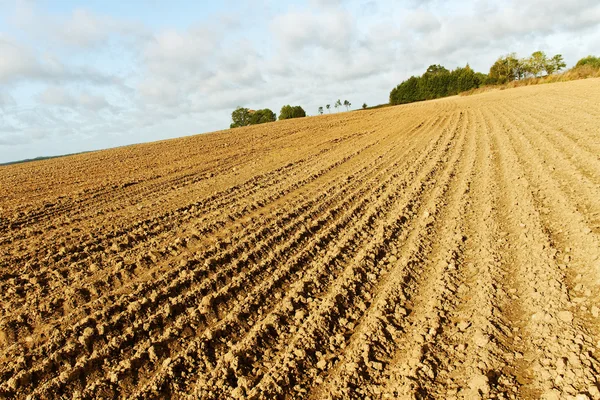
(590, 61)
(438, 81)
(509, 68)
(337, 104)
(242, 116)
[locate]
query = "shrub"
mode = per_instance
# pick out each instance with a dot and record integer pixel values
(288, 112)
(262, 116)
(591, 61)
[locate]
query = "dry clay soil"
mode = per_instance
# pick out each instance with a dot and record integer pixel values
(437, 250)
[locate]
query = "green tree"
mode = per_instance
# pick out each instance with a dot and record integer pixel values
(506, 69)
(537, 63)
(589, 60)
(347, 104)
(288, 112)
(328, 106)
(364, 106)
(406, 92)
(436, 82)
(436, 69)
(240, 117)
(520, 69)
(262, 116)
(338, 103)
(482, 79)
(555, 64)
(321, 110)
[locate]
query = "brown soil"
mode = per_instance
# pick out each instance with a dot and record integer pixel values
(446, 249)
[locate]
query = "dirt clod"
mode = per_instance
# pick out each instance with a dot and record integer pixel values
(439, 250)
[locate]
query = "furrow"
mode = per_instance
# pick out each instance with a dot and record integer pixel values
(274, 250)
(410, 305)
(554, 338)
(345, 301)
(320, 267)
(575, 159)
(95, 358)
(179, 284)
(571, 221)
(207, 227)
(580, 132)
(476, 354)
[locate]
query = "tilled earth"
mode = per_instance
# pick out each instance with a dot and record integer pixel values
(445, 249)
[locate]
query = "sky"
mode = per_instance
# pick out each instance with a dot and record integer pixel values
(79, 76)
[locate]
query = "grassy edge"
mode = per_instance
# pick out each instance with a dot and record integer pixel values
(576, 73)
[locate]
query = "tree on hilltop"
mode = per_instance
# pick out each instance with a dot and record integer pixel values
(240, 117)
(328, 106)
(589, 60)
(288, 112)
(555, 64)
(364, 106)
(436, 69)
(321, 110)
(262, 116)
(338, 103)
(507, 69)
(537, 63)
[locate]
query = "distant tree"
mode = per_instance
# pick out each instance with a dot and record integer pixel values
(498, 71)
(288, 112)
(436, 69)
(589, 60)
(537, 63)
(321, 110)
(262, 116)
(518, 67)
(482, 78)
(346, 104)
(555, 64)
(240, 117)
(364, 106)
(328, 106)
(338, 103)
(506, 69)
(436, 82)
(406, 92)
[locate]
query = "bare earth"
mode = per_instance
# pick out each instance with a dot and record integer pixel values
(446, 249)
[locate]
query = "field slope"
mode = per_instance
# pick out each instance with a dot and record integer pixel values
(444, 249)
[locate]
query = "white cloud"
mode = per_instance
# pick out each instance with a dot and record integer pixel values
(56, 96)
(328, 29)
(84, 29)
(15, 61)
(171, 52)
(6, 100)
(79, 28)
(326, 3)
(59, 96)
(421, 20)
(19, 63)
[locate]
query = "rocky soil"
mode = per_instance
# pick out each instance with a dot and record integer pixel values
(438, 250)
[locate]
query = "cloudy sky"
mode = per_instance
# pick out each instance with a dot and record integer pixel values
(78, 76)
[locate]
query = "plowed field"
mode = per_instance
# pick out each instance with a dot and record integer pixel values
(445, 249)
